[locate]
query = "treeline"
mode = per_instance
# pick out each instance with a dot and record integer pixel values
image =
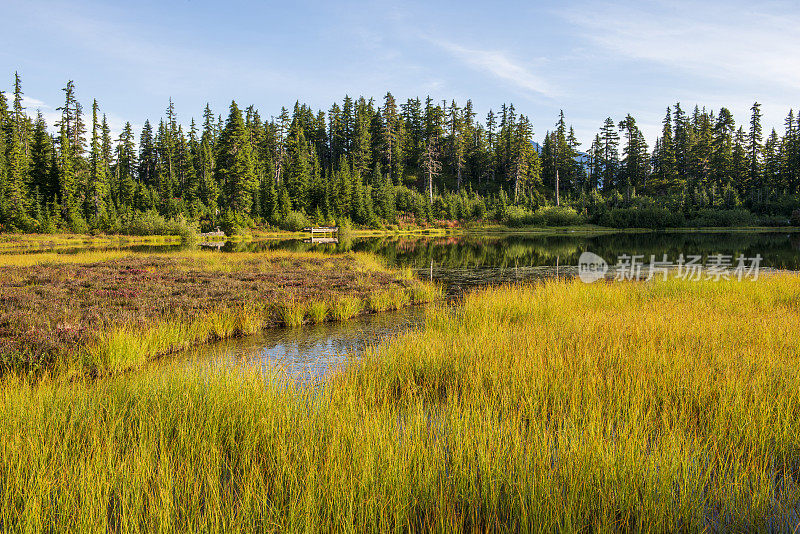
(381, 163)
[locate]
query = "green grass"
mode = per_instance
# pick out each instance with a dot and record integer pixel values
(318, 311)
(345, 308)
(666, 406)
(292, 313)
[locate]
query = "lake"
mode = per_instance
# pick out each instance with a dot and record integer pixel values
(464, 262)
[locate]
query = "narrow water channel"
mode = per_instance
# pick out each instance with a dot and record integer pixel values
(308, 354)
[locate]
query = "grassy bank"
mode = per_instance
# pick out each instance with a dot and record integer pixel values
(668, 406)
(54, 241)
(113, 310)
(593, 229)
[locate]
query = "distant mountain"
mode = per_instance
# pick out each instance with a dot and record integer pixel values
(582, 157)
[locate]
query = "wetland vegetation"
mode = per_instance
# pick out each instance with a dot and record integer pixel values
(664, 406)
(107, 311)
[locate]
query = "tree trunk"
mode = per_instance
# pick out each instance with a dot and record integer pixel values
(558, 195)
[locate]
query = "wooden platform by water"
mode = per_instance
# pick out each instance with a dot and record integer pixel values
(322, 229)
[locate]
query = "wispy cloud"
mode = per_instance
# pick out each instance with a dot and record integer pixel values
(499, 64)
(51, 115)
(752, 42)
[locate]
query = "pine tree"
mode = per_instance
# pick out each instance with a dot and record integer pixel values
(722, 150)
(5, 127)
(771, 171)
(298, 169)
(740, 165)
(148, 160)
(42, 178)
(97, 187)
(754, 151)
(282, 130)
(525, 167)
(125, 168)
(383, 195)
(635, 161)
(431, 165)
(610, 155)
(235, 168)
(665, 171)
(15, 193)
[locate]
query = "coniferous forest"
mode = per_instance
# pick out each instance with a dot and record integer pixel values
(376, 162)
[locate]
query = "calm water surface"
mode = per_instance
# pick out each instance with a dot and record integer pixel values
(308, 354)
(461, 263)
(464, 262)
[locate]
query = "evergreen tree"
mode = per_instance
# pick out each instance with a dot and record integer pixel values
(124, 170)
(97, 187)
(235, 168)
(635, 161)
(383, 195)
(42, 177)
(148, 160)
(298, 170)
(754, 151)
(665, 165)
(610, 155)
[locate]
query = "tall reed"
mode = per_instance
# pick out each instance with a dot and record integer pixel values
(667, 406)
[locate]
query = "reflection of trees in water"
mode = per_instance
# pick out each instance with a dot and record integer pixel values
(326, 342)
(779, 250)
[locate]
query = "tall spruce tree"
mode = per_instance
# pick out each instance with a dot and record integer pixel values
(235, 169)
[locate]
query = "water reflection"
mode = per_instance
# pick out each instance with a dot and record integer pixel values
(465, 261)
(780, 250)
(308, 354)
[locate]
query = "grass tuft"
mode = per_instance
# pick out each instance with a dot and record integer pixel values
(345, 308)
(317, 311)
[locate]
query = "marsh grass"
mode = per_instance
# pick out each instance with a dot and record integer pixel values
(91, 256)
(317, 311)
(667, 406)
(292, 313)
(345, 308)
(111, 311)
(380, 301)
(58, 241)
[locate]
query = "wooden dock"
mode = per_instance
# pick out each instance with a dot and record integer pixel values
(215, 233)
(322, 230)
(321, 240)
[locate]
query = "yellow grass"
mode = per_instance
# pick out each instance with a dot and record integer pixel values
(89, 256)
(564, 407)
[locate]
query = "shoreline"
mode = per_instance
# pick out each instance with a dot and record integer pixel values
(10, 242)
(84, 316)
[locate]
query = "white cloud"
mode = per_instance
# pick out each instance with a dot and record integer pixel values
(52, 116)
(499, 64)
(33, 103)
(755, 42)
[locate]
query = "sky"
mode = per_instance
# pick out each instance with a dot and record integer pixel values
(592, 59)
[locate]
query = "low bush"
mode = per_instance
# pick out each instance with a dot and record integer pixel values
(722, 218)
(295, 221)
(516, 216)
(774, 220)
(644, 217)
(153, 223)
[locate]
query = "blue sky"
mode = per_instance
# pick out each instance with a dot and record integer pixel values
(591, 59)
